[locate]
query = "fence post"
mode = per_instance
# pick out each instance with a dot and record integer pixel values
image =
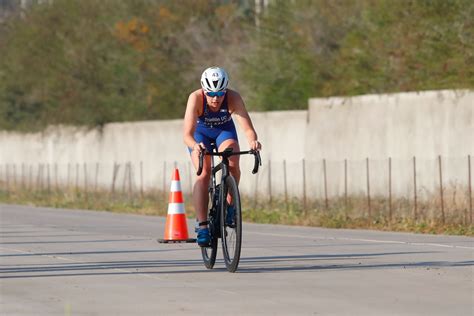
(38, 178)
(368, 190)
(30, 177)
(130, 172)
(114, 177)
(3, 178)
(43, 178)
(77, 177)
(270, 181)
(124, 182)
(14, 177)
(345, 185)
(390, 189)
(141, 179)
(48, 177)
(56, 186)
(23, 176)
(415, 215)
(7, 176)
(69, 176)
(469, 186)
(96, 180)
(326, 202)
(85, 180)
(304, 185)
(441, 189)
(285, 183)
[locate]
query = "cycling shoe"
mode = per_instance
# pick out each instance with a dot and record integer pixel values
(230, 216)
(203, 237)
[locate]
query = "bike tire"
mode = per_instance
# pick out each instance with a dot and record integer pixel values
(231, 232)
(209, 253)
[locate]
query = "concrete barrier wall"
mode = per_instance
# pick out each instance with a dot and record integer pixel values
(425, 125)
(402, 125)
(319, 152)
(152, 148)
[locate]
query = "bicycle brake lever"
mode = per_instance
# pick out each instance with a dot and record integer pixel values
(258, 161)
(201, 160)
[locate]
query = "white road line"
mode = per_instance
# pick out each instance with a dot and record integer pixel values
(364, 240)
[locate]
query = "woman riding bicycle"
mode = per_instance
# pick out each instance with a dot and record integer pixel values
(208, 120)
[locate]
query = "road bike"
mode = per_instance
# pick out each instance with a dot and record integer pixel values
(225, 208)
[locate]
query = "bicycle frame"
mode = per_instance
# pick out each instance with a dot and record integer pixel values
(224, 166)
(218, 217)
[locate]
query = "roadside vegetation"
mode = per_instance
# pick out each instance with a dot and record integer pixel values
(341, 214)
(91, 62)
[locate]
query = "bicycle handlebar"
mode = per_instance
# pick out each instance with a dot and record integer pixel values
(227, 153)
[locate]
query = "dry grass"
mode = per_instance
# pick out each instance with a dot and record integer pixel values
(339, 213)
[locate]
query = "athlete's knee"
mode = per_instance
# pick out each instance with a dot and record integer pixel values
(234, 169)
(203, 178)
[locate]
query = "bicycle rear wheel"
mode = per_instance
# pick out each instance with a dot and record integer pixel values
(231, 224)
(209, 253)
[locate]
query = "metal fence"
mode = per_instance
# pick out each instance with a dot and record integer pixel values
(438, 188)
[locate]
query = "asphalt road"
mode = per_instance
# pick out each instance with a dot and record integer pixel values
(69, 262)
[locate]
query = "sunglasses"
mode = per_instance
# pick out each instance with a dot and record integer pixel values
(215, 94)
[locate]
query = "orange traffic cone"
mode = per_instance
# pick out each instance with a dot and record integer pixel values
(176, 229)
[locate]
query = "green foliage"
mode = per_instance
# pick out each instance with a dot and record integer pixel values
(91, 62)
(418, 45)
(325, 48)
(62, 65)
(280, 67)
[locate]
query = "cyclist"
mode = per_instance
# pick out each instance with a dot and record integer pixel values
(208, 120)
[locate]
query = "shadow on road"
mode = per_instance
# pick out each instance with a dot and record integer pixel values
(359, 262)
(263, 264)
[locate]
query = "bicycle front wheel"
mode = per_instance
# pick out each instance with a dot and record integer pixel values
(231, 224)
(209, 253)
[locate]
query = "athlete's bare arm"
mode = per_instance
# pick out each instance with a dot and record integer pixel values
(238, 110)
(193, 108)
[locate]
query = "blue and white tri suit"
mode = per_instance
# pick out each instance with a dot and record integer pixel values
(214, 127)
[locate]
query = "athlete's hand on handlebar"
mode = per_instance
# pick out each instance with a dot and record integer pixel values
(255, 145)
(199, 147)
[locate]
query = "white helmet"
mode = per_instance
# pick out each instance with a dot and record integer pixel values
(214, 79)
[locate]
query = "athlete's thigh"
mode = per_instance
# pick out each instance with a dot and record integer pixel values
(206, 165)
(226, 138)
(234, 144)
